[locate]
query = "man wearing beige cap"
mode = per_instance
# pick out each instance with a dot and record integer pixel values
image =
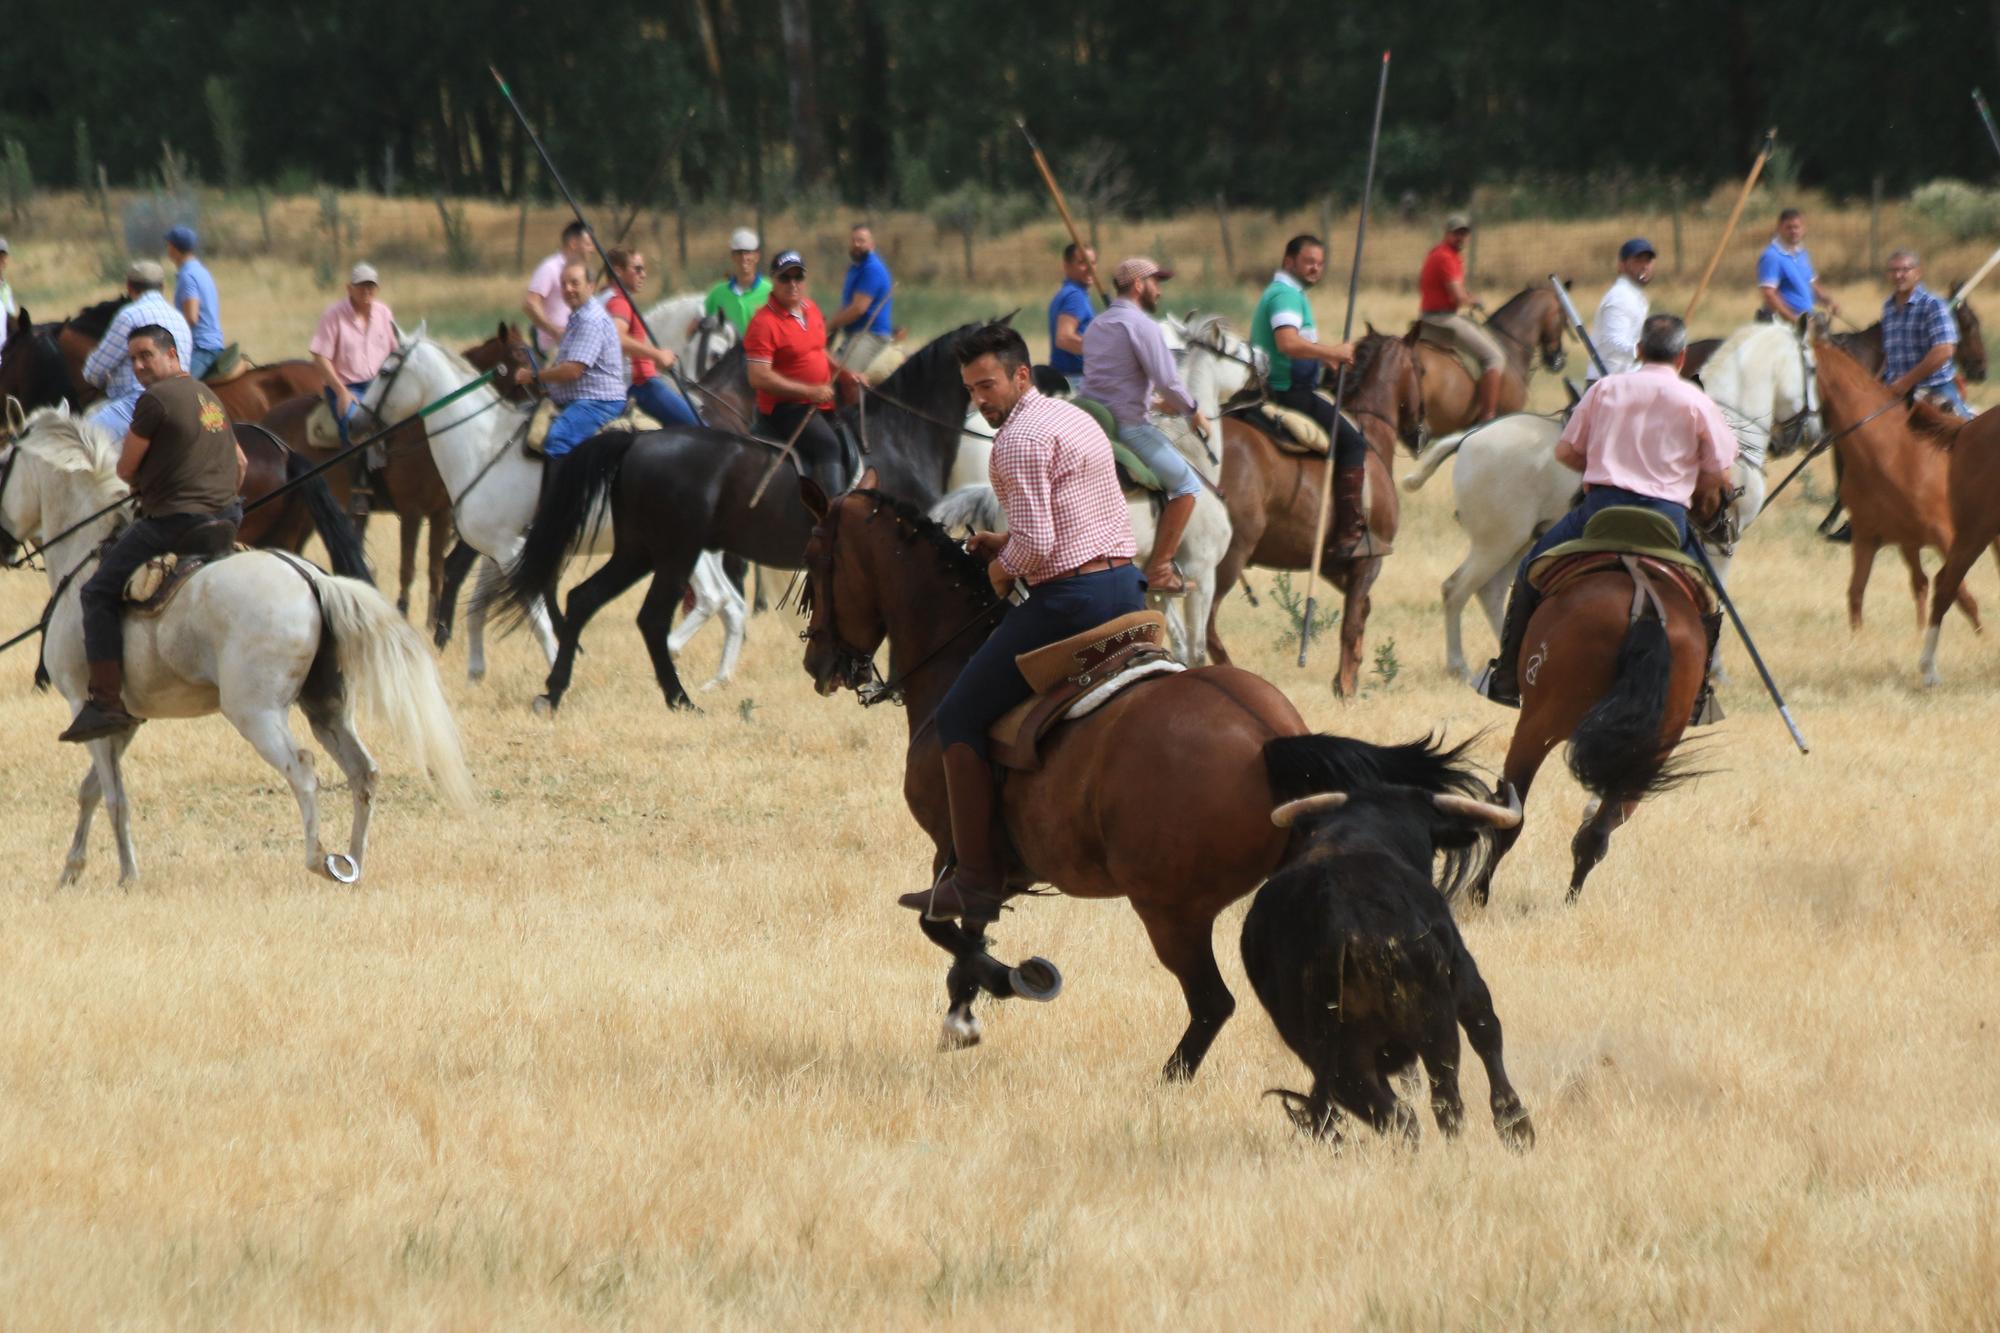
(743, 293)
(354, 337)
(109, 365)
(1126, 362)
(1442, 295)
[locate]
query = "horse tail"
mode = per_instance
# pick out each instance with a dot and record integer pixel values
(1615, 753)
(344, 551)
(1433, 458)
(393, 678)
(971, 508)
(586, 478)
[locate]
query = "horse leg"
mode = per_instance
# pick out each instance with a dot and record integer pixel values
(1525, 754)
(1950, 581)
(973, 969)
(656, 620)
(458, 562)
(1920, 583)
(441, 535)
(620, 572)
(1184, 942)
(268, 734)
(1482, 1029)
(88, 793)
(1242, 541)
(1354, 627)
(335, 732)
(475, 619)
(105, 758)
(1864, 549)
(1592, 841)
(406, 530)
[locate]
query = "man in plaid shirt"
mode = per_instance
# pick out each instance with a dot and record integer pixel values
(1919, 338)
(587, 373)
(1069, 540)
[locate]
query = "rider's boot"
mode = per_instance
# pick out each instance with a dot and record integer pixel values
(1350, 538)
(974, 886)
(1162, 579)
(1706, 709)
(1488, 402)
(103, 713)
(1501, 681)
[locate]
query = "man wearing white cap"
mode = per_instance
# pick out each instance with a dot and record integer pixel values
(354, 338)
(109, 365)
(739, 296)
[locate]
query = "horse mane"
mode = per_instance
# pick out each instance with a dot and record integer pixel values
(93, 321)
(914, 525)
(1516, 299)
(1940, 428)
(1198, 329)
(68, 443)
(1935, 424)
(1368, 349)
(451, 358)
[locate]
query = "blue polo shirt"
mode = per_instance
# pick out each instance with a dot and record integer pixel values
(1791, 273)
(1072, 298)
(869, 275)
(194, 280)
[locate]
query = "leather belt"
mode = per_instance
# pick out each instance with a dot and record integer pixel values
(1097, 566)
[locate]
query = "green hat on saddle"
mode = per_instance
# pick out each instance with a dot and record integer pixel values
(1626, 528)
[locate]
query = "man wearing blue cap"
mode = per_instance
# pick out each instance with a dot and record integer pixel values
(195, 297)
(1622, 312)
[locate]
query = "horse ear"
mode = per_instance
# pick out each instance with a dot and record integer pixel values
(812, 497)
(423, 328)
(17, 420)
(501, 334)
(1369, 325)
(867, 481)
(1410, 338)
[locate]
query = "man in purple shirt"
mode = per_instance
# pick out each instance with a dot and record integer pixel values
(586, 374)
(1125, 361)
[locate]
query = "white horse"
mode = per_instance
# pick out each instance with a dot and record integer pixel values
(247, 636)
(678, 323)
(1509, 488)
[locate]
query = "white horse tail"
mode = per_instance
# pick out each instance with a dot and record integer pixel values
(970, 509)
(394, 679)
(1433, 458)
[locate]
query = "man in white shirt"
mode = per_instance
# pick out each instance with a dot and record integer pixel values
(1622, 312)
(544, 305)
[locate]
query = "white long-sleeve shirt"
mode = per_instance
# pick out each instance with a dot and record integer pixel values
(1615, 330)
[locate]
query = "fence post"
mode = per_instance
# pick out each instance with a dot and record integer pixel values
(1875, 224)
(681, 228)
(111, 236)
(1325, 216)
(1678, 204)
(521, 235)
(264, 216)
(1228, 247)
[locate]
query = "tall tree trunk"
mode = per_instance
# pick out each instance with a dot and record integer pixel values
(872, 136)
(711, 50)
(808, 143)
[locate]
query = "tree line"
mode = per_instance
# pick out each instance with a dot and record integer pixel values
(1141, 104)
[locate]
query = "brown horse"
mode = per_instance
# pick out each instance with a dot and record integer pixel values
(1273, 496)
(1865, 346)
(1602, 670)
(1972, 483)
(1528, 326)
(1893, 477)
(1163, 796)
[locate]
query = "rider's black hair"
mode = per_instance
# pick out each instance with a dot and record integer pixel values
(1300, 242)
(993, 340)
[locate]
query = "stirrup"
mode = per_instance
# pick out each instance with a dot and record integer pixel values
(1483, 683)
(1187, 585)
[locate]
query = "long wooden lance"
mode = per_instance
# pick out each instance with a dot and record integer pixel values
(1729, 228)
(1055, 192)
(1986, 116)
(1340, 381)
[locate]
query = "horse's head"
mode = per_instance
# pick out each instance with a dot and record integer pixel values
(507, 349)
(1387, 378)
(713, 336)
(1550, 326)
(844, 621)
(1795, 406)
(1220, 360)
(1971, 342)
(55, 469)
(416, 373)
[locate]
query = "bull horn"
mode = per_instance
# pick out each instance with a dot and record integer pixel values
(1499, 816)
(1291, 811)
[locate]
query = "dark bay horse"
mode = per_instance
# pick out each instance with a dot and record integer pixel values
(1528, 327)
(678, 492)
(1273, 495)
(1164, 796)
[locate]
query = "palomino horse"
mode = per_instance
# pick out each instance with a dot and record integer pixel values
(1089, 820)
(1972, 481)
(1893, 478)
(1273, 496)
(673, 494)
(1602, 670)
(248, 636)
(1528, 326)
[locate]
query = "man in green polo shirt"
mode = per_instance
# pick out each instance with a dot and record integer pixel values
(743, 293)
(1284, 329)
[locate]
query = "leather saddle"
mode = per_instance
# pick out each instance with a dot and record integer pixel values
(1074, 677)
(230, 364)
(1615, 535)
(539, 422)
(153, 585)
(1433, 335)
(1293, 431)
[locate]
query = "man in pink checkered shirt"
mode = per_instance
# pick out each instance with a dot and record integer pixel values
(1069, 540)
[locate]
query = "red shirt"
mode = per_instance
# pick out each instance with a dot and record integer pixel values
(621, 314)
(1443, 265)
(794, 345)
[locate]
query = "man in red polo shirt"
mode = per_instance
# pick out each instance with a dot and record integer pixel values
(1441, 294)
(784, 351)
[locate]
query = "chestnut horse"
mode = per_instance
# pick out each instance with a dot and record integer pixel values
(1972, 484)
(1529, 325)
(1893, 477)
(1601, 670)
(1273, 496)
(1163, 796)
(1865, 346)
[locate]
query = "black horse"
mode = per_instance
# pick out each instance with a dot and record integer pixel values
(677, 492)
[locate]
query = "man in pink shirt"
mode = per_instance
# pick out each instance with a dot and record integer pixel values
(1648, 439)
(354, 338)
(544, 304)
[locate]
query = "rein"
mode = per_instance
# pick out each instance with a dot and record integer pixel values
(960, 427)
(1823, 444)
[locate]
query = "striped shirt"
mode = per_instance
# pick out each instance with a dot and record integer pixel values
(591, 340)
(109, 366)
(1910, 329)
(1052, 472)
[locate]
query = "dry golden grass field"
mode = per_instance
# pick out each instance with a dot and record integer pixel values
(643, 1040)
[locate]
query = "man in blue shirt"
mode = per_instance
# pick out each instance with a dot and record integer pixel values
(1070, 312)
(196, 299)
(1919, 338)
(1785, 277)
(864, 304)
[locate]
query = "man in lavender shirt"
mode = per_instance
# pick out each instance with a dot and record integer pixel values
(1125, 361)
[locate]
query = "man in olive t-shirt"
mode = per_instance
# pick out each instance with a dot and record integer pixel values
(181, 458)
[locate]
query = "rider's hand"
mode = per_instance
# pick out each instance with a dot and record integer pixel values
(1340, 354)
(343, 402)
(1199, 422)
(663, 358)
(1002, 581)
(523, 374)
(985, 545)
(822, 393)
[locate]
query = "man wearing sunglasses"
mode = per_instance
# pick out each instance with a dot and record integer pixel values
(784, 352)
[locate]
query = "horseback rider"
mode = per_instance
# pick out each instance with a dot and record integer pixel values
(1126, 362)
(109, 366)
(585, 375)
(1648, 439)
(181, 458)
(196, 298)
(1283, 326)
(354, 337)
(864, 303)
(1069, 539)
(544, 304)
(740, 295)
(1442, 294)
(1622, 313)
(1070, 310)
(1919, 338)
(1785, 277)
(649, 387)
(784, 356)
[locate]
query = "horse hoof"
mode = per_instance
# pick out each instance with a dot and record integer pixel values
(341, 868)
(1035, 979)
(475, 674)
(960, 1033)
(1518, 1134)
(543, 706)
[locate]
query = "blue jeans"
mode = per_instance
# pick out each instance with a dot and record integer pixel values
(578, 422)
(1570, 526)
(204, 361)
(991, 683)
(1947, 397)
(115, 414)
(662, 404)
(1157, 452)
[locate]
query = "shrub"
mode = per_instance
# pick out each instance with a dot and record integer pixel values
(1963, 212)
